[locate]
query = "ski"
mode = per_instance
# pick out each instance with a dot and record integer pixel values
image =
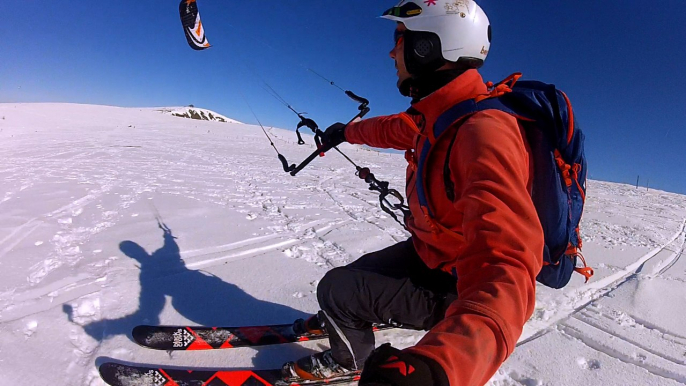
(116, 374)
(188, 338)
(211, 338)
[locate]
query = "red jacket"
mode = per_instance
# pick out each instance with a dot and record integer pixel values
(502, 250)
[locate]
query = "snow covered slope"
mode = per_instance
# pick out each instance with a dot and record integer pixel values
(83, 258)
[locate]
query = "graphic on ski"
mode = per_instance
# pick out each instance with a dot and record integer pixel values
(211, 338)
(116, 374)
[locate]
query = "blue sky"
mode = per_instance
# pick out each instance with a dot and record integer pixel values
(622, 63)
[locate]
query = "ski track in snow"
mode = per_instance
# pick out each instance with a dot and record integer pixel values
(589, 316)
(102, 175)
(67, 197)
(576, 300)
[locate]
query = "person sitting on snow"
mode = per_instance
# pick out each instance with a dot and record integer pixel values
(487, 234)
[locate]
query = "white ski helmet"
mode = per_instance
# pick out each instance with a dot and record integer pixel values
(438, 30)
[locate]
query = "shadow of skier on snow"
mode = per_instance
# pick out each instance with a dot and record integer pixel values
(200, 297)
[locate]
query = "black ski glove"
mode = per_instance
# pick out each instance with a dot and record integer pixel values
(388, 366)
(334, 135)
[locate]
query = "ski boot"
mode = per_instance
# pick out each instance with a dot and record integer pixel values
(313, 326)
(316, 367)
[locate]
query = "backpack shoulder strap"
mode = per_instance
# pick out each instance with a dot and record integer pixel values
(447, 181)
(444, 122)
(466, 108)
(455, 114)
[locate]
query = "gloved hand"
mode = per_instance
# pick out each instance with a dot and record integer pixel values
(388, 366)
(334, 135)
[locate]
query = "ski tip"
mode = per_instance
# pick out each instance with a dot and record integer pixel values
(107, 366)
(160, 337)
(117, 374)
(141, 334)
(108, 371)
(138, 330)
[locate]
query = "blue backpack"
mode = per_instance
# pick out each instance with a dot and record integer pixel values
(559, 183)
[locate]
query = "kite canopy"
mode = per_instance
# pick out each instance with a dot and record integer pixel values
(192, 26)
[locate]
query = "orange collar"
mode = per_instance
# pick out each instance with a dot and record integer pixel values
(466, 86)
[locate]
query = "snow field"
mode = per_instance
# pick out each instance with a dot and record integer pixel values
(84, 259)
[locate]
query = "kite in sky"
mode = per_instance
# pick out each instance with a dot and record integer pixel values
(192, 26)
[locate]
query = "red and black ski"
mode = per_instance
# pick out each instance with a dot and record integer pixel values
(211, 338)
(116, 374)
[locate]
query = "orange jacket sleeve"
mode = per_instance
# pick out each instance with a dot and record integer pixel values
(389, 132)
(502, 255)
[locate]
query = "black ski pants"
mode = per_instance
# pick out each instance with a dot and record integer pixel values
(391, 286)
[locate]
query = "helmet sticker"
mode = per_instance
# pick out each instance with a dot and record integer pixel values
(429, 2)
(457, 6)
